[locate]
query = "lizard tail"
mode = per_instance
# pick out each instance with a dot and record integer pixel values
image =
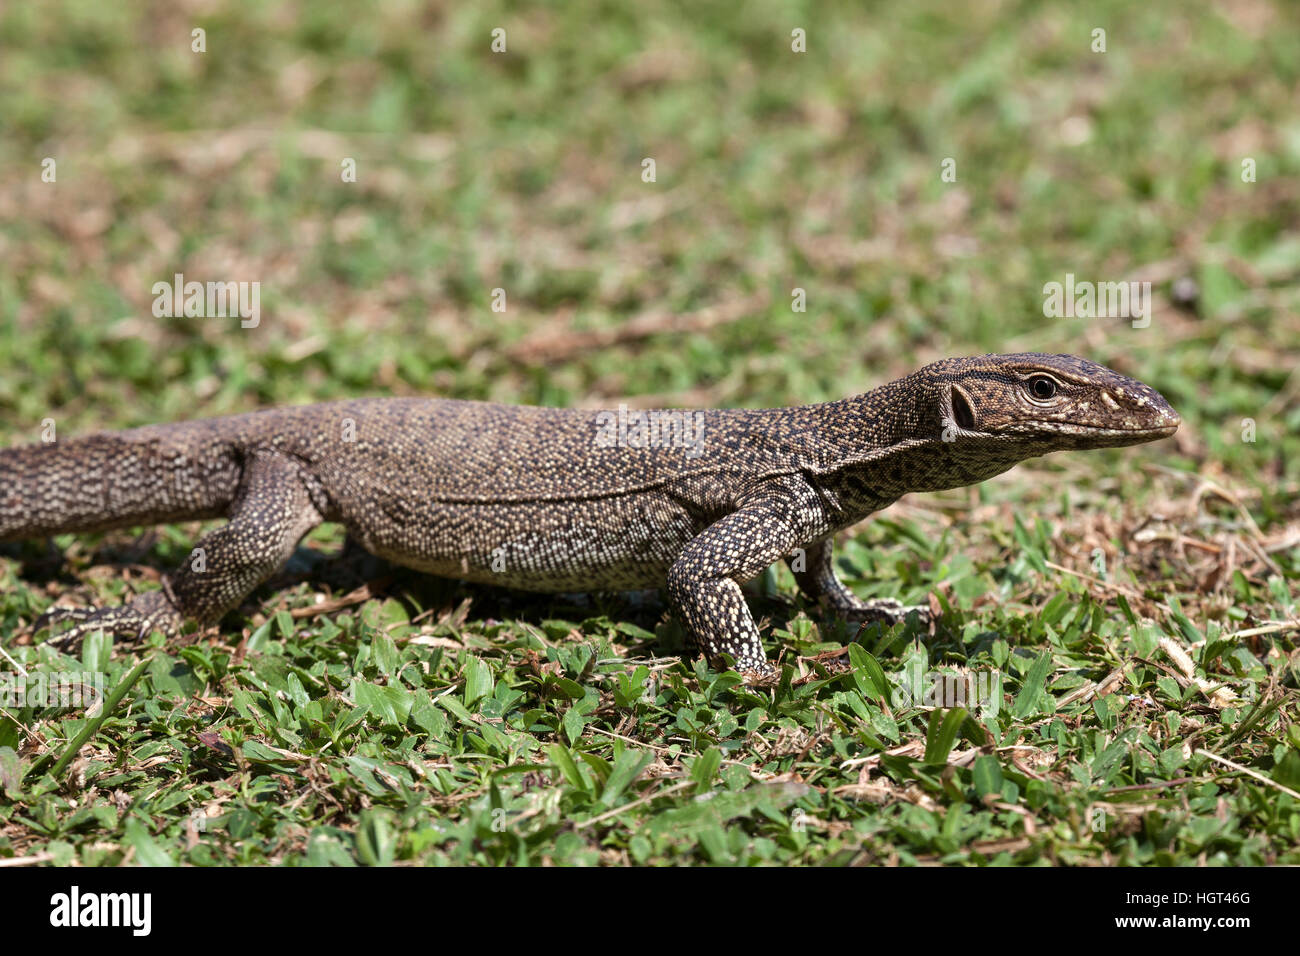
(115, 480)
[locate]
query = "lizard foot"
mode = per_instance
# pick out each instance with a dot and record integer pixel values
(885, 611)
(761, 675)
(135, 620)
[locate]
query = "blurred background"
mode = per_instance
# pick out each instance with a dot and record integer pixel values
(1169, 156)
(775, 170)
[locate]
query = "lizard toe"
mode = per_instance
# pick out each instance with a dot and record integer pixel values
(885, 611)
(57, 615)
(135, 620)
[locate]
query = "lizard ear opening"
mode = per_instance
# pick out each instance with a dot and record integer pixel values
(962, 412)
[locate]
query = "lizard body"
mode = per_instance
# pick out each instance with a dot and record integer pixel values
(553, 500)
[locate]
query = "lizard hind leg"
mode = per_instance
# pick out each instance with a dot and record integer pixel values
(270, 514)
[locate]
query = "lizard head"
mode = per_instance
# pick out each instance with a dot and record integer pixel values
(1047, 402)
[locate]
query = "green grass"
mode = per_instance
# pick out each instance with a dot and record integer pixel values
(440, 723)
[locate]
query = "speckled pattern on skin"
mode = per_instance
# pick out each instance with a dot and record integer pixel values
(528, 498)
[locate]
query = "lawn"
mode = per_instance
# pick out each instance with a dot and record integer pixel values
(914, 177)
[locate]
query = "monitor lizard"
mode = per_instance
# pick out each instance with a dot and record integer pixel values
(562, 500)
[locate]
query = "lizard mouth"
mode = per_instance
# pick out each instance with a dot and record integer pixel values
(1139, 433)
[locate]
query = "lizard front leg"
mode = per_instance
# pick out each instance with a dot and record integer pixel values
(819, 583)
(704, 581)
(270, 514)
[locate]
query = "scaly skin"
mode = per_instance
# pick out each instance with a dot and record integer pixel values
(542, 499)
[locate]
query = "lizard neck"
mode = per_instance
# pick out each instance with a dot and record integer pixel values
(899, 438)
(900, 413)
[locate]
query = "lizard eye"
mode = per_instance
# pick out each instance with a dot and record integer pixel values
(1042, 387)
